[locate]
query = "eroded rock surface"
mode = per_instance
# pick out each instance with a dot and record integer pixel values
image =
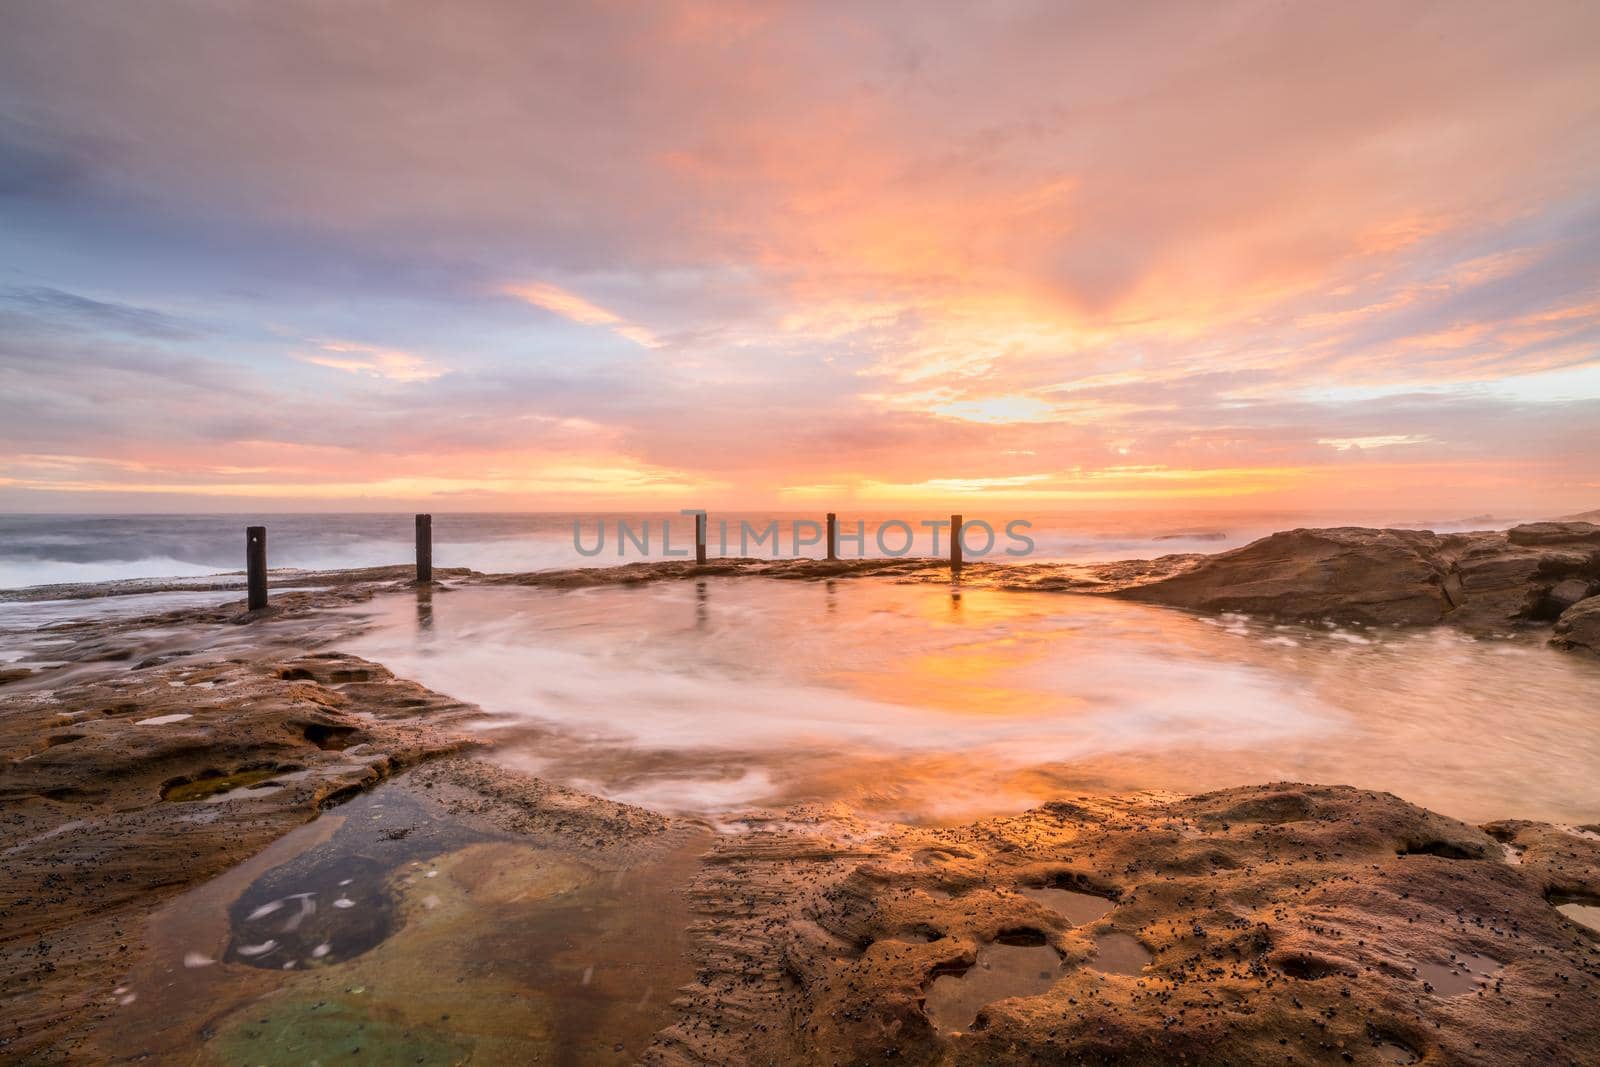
(1484, 581)
(118, 792)
(1283, 924)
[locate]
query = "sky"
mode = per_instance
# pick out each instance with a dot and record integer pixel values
(525, 256)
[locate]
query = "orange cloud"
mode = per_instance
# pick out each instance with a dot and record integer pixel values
(1113, 256)
(389, 363)
(572, 306)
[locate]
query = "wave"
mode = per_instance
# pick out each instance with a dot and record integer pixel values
(22, 573)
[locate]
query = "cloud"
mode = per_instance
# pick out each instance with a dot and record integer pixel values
(1345, 444)
(55, 305)
(388, 363)
(574, 307)
(1085, 253)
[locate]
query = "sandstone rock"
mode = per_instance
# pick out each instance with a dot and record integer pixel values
(1564, 594)
(1486, 581)
(1350, 574)
(1278, 924)
(1552, 533)
(1503, 583)
(1579, 626)
(146, 764)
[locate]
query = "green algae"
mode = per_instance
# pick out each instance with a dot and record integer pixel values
(293, 1033)
(206, 788)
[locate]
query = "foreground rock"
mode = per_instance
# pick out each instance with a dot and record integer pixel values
(152, 783)
(125, 786)
(159, 763)
(1485, 581)
(1267, 925)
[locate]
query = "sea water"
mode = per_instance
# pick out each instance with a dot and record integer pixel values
(933, 702)
(51, 549)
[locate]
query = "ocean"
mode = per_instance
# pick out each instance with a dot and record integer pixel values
(50, 549)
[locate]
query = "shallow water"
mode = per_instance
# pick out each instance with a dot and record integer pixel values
(1080, 908)
(1001, 971)
(384, 933)
(1584, 914)
(27, 637)
(928, 703)
(1119, 953)
(57, 639)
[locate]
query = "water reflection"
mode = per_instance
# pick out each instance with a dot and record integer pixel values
(1000, 972)
(1080, 908)
(1119, 953)
(424, 608)
(932, 702)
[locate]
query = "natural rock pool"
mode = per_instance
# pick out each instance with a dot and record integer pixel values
(389, 931)
(932, 703)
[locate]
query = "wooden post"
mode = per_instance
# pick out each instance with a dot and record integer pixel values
(700, 538)
(255, 565)
(955, 543)
(833, 536)
(424, 548)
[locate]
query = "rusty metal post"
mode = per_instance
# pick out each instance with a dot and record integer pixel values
(424, 548)
(255, 565)
(700, 538)
(833, 536)
(955, 543)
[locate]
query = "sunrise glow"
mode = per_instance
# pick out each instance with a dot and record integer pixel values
(1134, 255)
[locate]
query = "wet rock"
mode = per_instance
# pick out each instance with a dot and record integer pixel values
(122, 789)
(1508, 582)
(1486, 582)
(1579, 626)
(1350, 574)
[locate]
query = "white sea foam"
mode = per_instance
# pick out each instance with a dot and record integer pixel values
(19, 574)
